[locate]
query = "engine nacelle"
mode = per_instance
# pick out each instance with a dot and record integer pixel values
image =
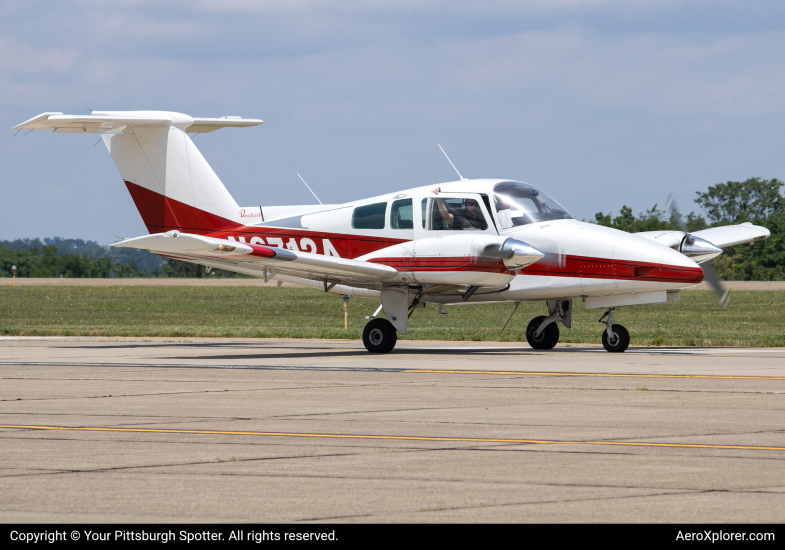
(463, 259)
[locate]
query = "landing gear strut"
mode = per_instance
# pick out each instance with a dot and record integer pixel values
(380, 336)
(542, 332)
(615, 338)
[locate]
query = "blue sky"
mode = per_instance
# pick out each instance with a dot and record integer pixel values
(600, 103)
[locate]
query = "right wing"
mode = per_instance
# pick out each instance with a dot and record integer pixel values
(723, 236)
(731, 235)
(263, 261)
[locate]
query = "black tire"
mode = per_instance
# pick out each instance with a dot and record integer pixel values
(618, 344)
(380, 336)
(548, 338)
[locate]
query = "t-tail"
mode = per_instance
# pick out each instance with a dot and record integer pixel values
(170, 182)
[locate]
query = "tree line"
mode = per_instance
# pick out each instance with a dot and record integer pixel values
(755, 200)
(76, 258)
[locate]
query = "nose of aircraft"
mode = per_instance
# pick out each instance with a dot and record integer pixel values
(655, 261)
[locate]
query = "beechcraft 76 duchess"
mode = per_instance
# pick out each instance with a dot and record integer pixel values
(467, 241)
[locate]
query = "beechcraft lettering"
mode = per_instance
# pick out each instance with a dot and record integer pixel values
(460, 242)
(306, 244)
(245, 213)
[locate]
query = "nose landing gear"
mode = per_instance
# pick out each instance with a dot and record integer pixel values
(615, 338)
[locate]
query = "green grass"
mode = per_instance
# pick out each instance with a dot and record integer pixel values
(753, 318)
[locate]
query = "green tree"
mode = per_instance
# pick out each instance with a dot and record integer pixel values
(124, 271)
(757, 201)
(733, 202)
(25, 261)
(648, 220)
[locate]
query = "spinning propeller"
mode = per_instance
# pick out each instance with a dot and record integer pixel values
(701, 251)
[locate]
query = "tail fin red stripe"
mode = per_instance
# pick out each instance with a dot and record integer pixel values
(161, 214)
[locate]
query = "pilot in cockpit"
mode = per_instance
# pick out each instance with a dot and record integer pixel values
(469, 216)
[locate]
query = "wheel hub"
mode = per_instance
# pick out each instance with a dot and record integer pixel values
(376, 336)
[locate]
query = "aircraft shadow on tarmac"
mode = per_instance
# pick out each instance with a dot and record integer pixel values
(322, 353)
(327, 351)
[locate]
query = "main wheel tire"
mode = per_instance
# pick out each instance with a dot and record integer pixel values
(547, 338)
(380, 336)
(619, 342)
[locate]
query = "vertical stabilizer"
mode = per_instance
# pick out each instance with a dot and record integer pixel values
(170, 181)
(168, 178)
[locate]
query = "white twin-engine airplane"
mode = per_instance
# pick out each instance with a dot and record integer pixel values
(479, 240)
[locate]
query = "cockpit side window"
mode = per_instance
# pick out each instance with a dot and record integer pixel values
(454, 214)
(522, 204)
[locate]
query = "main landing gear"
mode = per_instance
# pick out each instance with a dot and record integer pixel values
(615, 338)
(380, 336)
(543, 332)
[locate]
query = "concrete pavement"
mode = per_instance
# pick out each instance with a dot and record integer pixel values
(156, 430)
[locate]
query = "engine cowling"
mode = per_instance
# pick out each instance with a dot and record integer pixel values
(463, 259)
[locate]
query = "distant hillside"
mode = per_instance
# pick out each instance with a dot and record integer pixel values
(145, 261)
(75, 258)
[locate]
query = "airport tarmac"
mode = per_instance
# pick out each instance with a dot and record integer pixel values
(247, 430)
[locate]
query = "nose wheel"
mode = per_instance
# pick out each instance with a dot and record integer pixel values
(380, 336)
(615, 338)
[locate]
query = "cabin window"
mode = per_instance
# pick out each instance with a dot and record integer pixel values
(370, 216)
(401, 214)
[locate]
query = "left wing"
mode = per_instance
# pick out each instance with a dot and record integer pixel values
(262, 261)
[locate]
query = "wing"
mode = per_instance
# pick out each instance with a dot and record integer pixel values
(262, 261)
(667, 238)
(731, 235)
(723, 236)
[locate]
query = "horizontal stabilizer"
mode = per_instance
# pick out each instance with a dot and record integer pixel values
(120, 121)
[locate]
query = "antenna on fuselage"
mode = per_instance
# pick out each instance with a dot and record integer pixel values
(309, 189)
(257, 197)
(451, 164)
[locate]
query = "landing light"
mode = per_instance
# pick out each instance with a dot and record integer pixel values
(226, 248)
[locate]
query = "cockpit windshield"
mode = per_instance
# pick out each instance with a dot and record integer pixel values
(522, 204)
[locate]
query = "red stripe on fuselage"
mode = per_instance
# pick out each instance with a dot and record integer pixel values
(442, 263)
(602, 268)
(580, 267)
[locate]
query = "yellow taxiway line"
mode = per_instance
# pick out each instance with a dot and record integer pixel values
(401, 437)
(598, 374)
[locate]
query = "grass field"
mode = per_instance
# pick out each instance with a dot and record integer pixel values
(753, 318)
